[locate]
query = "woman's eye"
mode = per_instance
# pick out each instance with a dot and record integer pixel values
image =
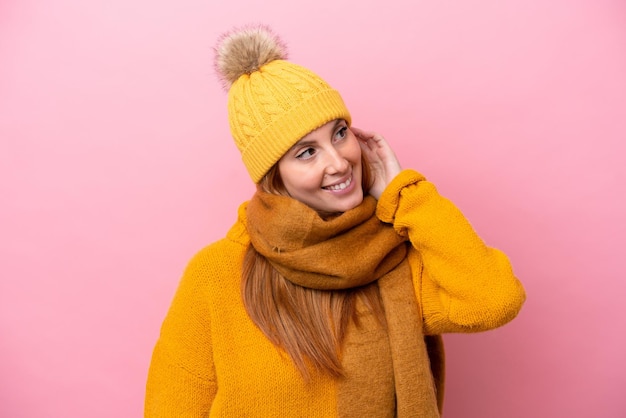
(307, 153)
(342, 133)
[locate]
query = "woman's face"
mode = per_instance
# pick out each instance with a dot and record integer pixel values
(323, 170)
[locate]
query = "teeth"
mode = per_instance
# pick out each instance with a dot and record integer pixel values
(340, 186)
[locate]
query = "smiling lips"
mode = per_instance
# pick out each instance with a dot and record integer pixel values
(340, 186)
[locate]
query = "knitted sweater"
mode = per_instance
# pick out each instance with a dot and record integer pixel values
(211, 360)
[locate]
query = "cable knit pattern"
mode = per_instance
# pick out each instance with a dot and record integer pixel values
(272, 108)
(211, 360)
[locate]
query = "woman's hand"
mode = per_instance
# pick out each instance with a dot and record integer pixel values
(382, 160)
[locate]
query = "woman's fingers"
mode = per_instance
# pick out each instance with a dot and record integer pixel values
(383, 161)
(372, 139)
(376, 143)
(364, 135)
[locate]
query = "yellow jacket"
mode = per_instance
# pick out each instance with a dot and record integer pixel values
(211, 360)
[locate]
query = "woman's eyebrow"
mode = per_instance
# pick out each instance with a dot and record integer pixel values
(303, 143)
(299, 144)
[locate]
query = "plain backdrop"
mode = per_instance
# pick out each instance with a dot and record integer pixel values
(116, 166)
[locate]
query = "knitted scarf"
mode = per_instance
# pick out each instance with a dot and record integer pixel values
(352, 250)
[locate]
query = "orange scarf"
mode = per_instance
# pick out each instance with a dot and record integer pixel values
(352, 250)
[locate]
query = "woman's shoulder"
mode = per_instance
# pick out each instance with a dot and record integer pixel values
(222, 256)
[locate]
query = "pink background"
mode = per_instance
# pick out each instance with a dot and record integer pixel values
(116, 165)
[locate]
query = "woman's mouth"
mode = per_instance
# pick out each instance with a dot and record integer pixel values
(339, 186)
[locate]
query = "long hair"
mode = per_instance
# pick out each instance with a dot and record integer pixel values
(308, 324)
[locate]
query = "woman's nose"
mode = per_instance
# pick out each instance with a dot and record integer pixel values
(335, 162)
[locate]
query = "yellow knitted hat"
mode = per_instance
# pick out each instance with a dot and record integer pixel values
(272, 103)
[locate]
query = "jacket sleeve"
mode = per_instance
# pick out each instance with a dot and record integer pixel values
(181, 378)
(462, 284)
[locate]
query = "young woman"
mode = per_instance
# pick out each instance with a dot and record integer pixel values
(329, 294)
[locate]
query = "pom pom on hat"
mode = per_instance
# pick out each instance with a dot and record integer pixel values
(272, 103)
(245, 51)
